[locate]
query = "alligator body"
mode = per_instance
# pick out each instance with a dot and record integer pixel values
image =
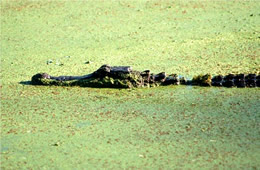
(125, 77)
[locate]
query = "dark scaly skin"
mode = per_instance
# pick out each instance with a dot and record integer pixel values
(116, 74)
(238, 80)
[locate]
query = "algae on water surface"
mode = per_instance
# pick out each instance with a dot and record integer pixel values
(164, 127)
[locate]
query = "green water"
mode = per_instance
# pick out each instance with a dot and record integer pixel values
(174, 127)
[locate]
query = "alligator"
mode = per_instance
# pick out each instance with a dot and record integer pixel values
(125, 77)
